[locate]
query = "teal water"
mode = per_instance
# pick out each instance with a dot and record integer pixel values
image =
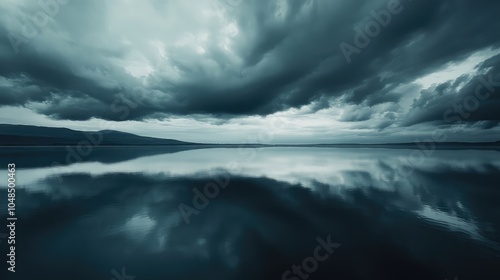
(262, 212)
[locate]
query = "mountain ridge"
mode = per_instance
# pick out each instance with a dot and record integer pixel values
(27, 135)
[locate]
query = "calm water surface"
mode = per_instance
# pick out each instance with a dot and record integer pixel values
(119, 208)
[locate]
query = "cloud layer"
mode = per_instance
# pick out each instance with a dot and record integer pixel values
(218, 61)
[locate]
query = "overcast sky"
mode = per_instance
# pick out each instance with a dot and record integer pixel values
(275, 71)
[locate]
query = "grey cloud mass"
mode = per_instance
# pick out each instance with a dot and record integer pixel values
(209, 59)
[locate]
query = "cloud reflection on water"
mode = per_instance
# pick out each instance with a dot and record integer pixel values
(271, 212)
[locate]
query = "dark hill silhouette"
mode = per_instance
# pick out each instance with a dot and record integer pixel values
(24, 135)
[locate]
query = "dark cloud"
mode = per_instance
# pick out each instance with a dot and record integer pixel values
(253, 59)
(360, 114)
(465, 100)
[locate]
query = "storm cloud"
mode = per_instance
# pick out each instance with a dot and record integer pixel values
(235, 60)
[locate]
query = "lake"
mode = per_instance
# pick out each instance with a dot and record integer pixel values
(242, 213)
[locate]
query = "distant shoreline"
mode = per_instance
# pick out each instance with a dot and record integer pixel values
(34, 136)
(439, 146)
